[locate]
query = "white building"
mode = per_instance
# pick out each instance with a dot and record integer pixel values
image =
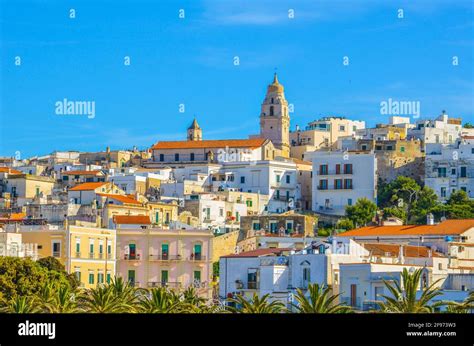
(450, 167)
(341, 178)
(443, 130)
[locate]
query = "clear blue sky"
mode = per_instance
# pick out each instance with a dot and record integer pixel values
(190, 61)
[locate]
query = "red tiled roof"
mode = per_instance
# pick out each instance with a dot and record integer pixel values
(121, 198)
(9, 170)
(87, 186)
(132, 220)
(393, 250)
(259, 252)
(222, 143)
(448, 227)
(82, 173)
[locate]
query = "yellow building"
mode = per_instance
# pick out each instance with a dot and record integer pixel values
(86, 251)
(26, 186)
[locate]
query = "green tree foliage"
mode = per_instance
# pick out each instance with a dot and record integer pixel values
(53, 264)
(320, 300)
(256, 305)
(362, 212)
(403, 297)
(345, 224)
(25, 277)
(406, 199)
(468, 126)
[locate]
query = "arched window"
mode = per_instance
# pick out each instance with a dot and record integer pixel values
(271, 110)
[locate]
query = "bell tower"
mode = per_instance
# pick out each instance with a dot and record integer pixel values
(274, 118)
(194, 132)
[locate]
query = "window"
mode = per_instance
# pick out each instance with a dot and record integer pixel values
(101, 248)
(463, 172)
(78, 246)
(464, 188)
(197, 276)
(306, 275)
(342, 128)
(176, 157)
(77, 273)
(56, 249)
(364, 147)
(349, 201)
(348, 184)
(273, 226)
(348, 168)
(100, 278)
(389, 147)
(289, 225)
(338, 169)
(288, 179)
(164, 251)
(278, 178)
(402, 149)
(242, 180)
(277, 194)
(131, 276)
(287, 195)
(338, 184)
(252, 278)
(197, 251)
(132, 248)
(271, 110)
(164, 277)
(453, 171)
(91, 247)
(109, 247)
(221, 212)
(192, 157)
(91, 278)
(442, 172)
(157, 217)
(256, 225)
(323, 169)
(323, 184)
(108, 278)
(440, 266)
(162, 157)
(249, 203)
(237, 216)
(443, 192)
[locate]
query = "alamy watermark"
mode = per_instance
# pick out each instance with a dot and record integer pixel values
(394, 107)
(66, 107)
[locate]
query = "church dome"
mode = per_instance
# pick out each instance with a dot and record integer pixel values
(275, 86)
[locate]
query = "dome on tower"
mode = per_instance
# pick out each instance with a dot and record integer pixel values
(275, 86)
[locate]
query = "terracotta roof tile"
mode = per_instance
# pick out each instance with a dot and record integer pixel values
(81, 173)
(448, 227)
(132, 220)
(87, 186)
(259, 252)
(222, 143)
(121, 198)
(9, 170)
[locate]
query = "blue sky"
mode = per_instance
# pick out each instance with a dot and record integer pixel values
(190, 61)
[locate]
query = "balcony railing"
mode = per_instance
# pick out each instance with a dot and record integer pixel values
(129, 257)
(165, 257)
(252, 285)
(91, 255)
(101, 256)
(110, 256)
(164, 284)
(56, 254)
(78, 255)
(197, 257)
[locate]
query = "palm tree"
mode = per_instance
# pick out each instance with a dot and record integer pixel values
(45, 296)
(462, 308)
(159, 300)
(102, 299)
(64, 301)
(256, 305)
(404, 300)
(320, 301)
(21, 305)
(125, 291)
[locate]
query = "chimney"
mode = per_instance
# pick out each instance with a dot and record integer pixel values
(430, 219)
(401, 256)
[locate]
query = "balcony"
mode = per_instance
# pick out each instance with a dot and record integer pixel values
(168, 284)
(56, 253)
(91, 255)
(252, 285)
(197, 257)
(77, 255)
(165, 257)
(100, 256)
(128, 257)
